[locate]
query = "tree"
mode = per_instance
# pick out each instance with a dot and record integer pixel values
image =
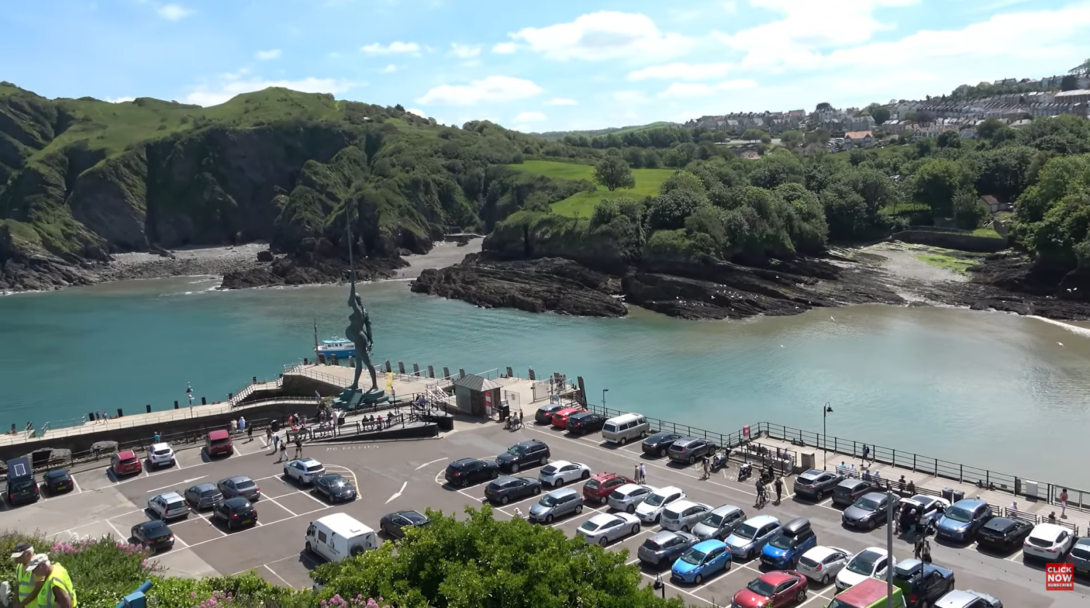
(754, 135)
(613, 172)
(1082, 69)
(969, 211)
(683, 180)
(823, 107)
(669, 211)
(880, 114)
(1069, 83)
(766, 139)
(935, 184)
(792, 138)
(948, 139)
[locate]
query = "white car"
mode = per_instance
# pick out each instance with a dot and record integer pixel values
(304, 470)
(626, 497)
(561, 472)
(933, 506)
(651, 508)
(1048, 542)
(605, 528)
(870, 562)
(161, 455)
(821, 563)
(168, 506)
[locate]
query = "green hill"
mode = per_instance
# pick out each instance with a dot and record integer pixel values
(581, 204)
(555, 135)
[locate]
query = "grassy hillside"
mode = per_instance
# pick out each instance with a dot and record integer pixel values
(596, 132)
(648, 182)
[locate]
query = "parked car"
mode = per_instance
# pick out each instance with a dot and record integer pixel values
(522, 455)
(784, 550)
(1049, 542)
(932, 506)
(748, 539)
(665, 547)
(598, 488)
(125, 462)
(557, 504)
(869, 512)
(235, 513)
(870, 562)
(304, 470)
(219, 443)
(335, 488)
(922, 583)
(701, 561)
(560, 417)
(689, 449)
(720, 522)
(659, 443)
(161, 455)
(471, 470)
(627, 497)
(239, 485)
(815, 484)
(505, 489)
(850, 490)
(585, 423)
(624, 428)
(561, 472)
(964, 598)
(169, 505)
(22, 487)
(395, 524)
(1080, 556)
(775, 589)
(154, 535)
(544, 414)
(203, 496)
(605, 528)
(683, 515)
(58, 481)
(822, 564)
(1003, 533)
(651, 508)
(962, 520)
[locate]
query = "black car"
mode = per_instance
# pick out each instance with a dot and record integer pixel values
(58, 481)
(506, 489)
(236, 512)
(522, 455)
(1003, 533)
(154, 535)
(815, 484)
(585, 422)
(395, 524)
(471, 470)
(22, 487)
(544, 414)
(659, 443)
(334, 488)
(203, 496)
(922, 583)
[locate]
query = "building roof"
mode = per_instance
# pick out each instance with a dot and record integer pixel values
(476, 383)
(858, 134)
(989, 199)
(1075, 93)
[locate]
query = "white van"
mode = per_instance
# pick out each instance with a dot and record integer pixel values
(625, 428)
(338, 536)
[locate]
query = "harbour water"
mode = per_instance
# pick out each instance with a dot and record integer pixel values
(990, 390)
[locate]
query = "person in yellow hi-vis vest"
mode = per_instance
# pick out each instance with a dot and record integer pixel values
(26, 588)
(57, 591)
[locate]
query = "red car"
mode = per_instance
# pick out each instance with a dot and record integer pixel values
(783, 587)
(560, 418)
(598, 488)
(126, 463)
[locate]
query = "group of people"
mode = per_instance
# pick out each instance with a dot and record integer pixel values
(768, 476)
(281, 445)
(640, 474)
(40, 583)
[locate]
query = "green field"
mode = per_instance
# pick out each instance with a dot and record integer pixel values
(648, 182)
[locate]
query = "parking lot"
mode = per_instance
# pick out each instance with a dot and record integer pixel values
(409, 475)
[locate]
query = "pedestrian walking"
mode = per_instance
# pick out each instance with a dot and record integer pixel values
(283, 451)
(643, 473)
(298, 446)
(249, 434)
(925, 552)
(242, 424)
(917, 550)
(234, 427)
(779, 489)
(1063, 504)
(636, 473)
(705, 464)
(866, 453)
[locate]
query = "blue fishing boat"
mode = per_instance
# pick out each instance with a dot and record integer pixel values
(337, 346)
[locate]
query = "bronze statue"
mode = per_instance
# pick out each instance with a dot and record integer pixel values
(359, 332)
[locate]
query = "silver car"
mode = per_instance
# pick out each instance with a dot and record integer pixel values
(720, 522)
(240, 486)
(304, 470)
(967, 598)
(651, 508)
(168, 506)
(605, 528)
(555, 504)
(561, 472)
(665, 547)
(626, 497)
(1080, 556)
(683, 515)
(822, 564)
(748, 539)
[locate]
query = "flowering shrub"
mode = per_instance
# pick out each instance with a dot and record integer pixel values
(339, 602)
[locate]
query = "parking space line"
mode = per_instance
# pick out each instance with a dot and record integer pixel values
(120, 536)
(235, 450)
(208, 520)
(355, 482)
(432, 462)
(685, 591)
(1015, 557)
(266, 566)
(323, 508)
(815, 597)
(825, 503)
(281, 506)
(76, 485)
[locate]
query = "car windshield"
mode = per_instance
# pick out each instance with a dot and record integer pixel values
(334, 480)
(176, 504)
(713, 520)
(617, 495)
(516, 450)
(128, 460)
(782, 541)
(314, 467)
(761, 587)
(959, 514)
(692, 556)
(864, 563)
(746, 531)
(593, 484)
(590, 526)
(809, 563)
(652, 545)
(655, 500)
(244, 485)
(1081, 552)
(867, 504)
(548, 501)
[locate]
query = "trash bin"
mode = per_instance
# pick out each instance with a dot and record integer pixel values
(505, 411)
(958, 495)
(948, 494)
(275, 425)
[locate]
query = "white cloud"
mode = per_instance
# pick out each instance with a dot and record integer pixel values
(604, 35)
(230, 85)
(689, 89)
(524, 117)
(472, 63)
(492, 88)
(683, 71)
(419, 113)
(119, 99)
(173, 12)
(267, 55)
(390, 69)
(561, 101)
(504, 48)
(394, 48)
(465, 51)
(730, 7)
(629, 96)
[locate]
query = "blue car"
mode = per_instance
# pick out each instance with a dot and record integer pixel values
(785, 549)
(703, 560)
(960, 522)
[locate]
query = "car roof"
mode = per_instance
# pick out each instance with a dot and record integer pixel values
(204, 486)
(776, 577)
(56, 473)
(169, 496)
(1047, 531)
(850, 482)
(874, 549)
(583, 414)
(602, 518)
(682, 504)
(663, 491)
(530, 443)
(568, 411)
(969, 503)
(663, 536)
(560, 463)
(813, 473)
(550, 407)
(628, 488)
(152, 524)
(874, 495)
(1083, 541)
(760, 520)
(820, 552)
(465, 461)
(1000, 523)
(562, 492)
(238, 478)
(604, 476)
(160, 446)
(220, 434)
(307, 461)
(686, 440)
(332, 477)
(411, 514)
(126, 454)
(708, 545)
(237, 501)
(956, 598)
(724, 509)
(663, 434)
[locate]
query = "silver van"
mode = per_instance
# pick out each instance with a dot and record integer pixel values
(556, 504)
(624, 428)
(720, 522)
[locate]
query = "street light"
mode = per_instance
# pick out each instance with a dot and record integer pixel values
(604, 391)
(825, 411)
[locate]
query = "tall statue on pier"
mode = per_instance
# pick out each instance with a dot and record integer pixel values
(359, 332)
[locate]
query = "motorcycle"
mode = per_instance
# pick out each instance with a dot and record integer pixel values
(744, 471)
(720, 460)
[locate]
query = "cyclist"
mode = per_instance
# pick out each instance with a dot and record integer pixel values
(760, 493)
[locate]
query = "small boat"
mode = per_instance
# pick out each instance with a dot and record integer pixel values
(337, 346)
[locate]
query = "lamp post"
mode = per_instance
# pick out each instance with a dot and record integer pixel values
(604, 391)
(825, 411)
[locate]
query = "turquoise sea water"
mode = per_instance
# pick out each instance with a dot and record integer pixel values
(990, 390)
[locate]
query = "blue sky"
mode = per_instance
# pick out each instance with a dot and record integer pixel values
(534, 65)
